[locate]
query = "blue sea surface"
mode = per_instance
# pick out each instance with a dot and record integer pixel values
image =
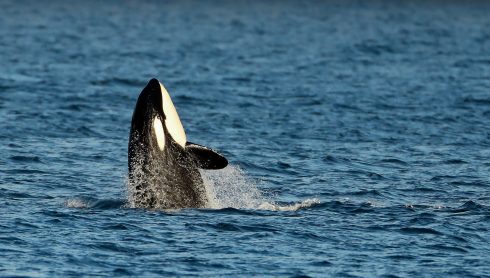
(357, 134)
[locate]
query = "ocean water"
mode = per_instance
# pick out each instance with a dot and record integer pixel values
(357, 134)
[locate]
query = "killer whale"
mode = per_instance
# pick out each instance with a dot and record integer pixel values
(162, 164)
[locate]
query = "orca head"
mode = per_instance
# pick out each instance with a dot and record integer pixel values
(155, 112)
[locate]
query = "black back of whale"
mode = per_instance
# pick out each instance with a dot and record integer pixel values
(167, 178)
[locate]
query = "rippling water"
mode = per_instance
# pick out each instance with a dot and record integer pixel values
(357, 135)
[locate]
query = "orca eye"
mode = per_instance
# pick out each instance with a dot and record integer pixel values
(159, 133)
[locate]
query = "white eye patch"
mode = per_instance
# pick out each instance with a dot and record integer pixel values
(172, 120)
(159, 133)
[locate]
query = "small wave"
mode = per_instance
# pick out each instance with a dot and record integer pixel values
(455, 161)
(374, 47)
(443, 177)
(76, 203)
(76, 107)
(24, 171)
(13, 194)
(25, 158)
(394, 161)
(20, 78)
(118, 81)
(476, 100)
(95, 204)
(238, 79)
(469, 206)
(419, 230)
(230, 227)
(445, 248)
(367, 192)
(290, 207)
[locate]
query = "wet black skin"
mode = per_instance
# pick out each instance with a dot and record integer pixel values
(168, 178)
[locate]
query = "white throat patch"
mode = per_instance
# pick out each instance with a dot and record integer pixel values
(172, 120)
(159, 133)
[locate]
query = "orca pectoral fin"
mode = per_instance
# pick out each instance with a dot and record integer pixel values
(206, 158)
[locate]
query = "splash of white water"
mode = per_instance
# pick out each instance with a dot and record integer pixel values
(291, 207)
(226, 188)
(230, 188)
(76, 203)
